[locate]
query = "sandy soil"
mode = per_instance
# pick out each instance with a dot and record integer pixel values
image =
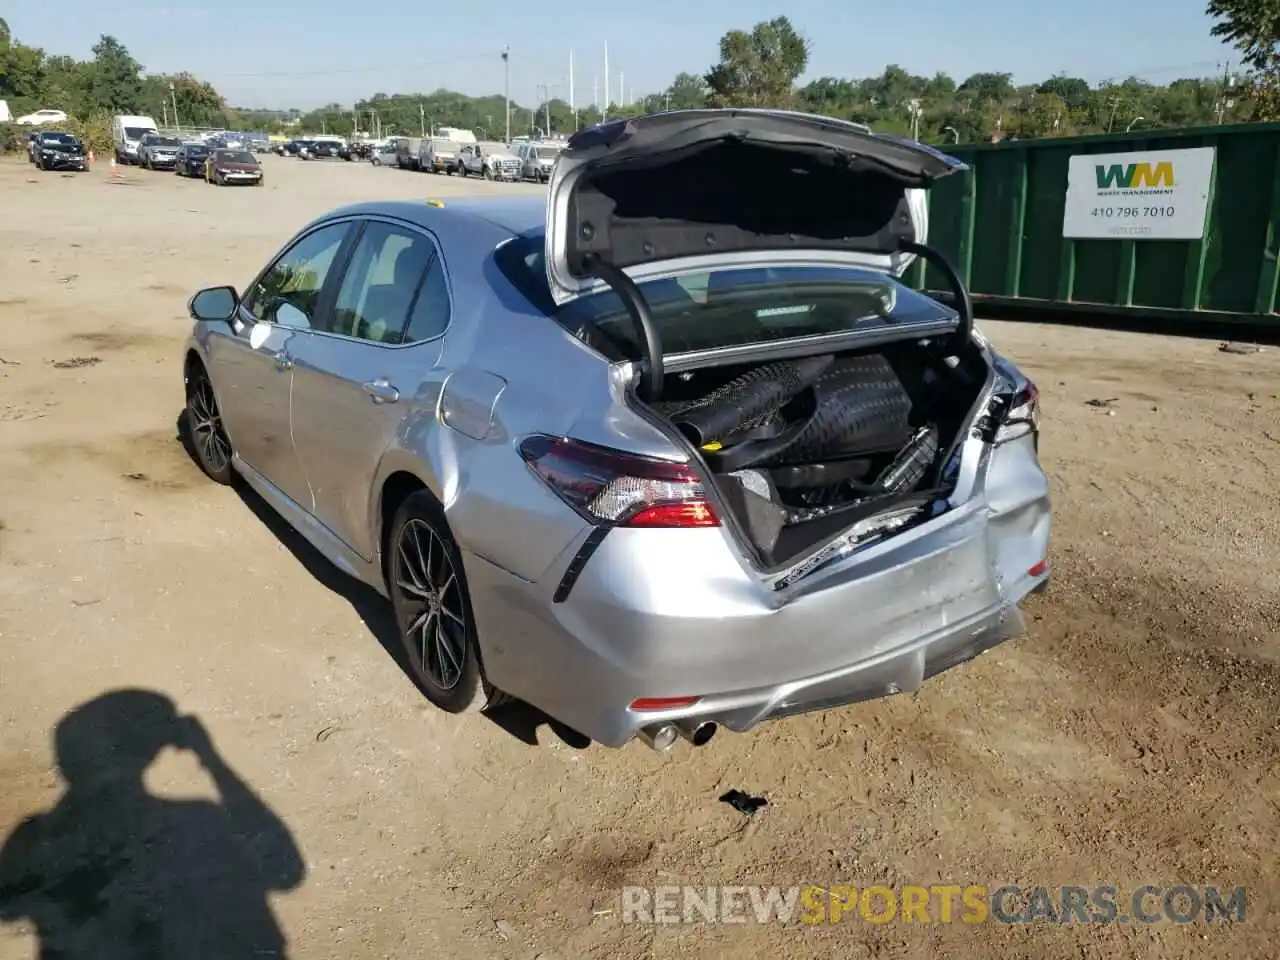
(1131, 738)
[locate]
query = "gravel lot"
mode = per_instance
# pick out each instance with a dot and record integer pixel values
(1131, 738)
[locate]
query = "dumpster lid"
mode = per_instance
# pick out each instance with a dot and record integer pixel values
(733, 186)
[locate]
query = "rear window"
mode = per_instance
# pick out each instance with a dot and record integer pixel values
(725, 308)
(548, 153)
(234, 156)
(137, 133)
(165, 142)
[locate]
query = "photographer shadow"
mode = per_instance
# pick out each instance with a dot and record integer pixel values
(113, 871)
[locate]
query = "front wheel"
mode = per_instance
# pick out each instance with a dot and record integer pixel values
(488, 173)
(203, 433)
(432, 607)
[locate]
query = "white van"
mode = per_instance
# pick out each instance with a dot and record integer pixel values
(455, 134)
(126, 131)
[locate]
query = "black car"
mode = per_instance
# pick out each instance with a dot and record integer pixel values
(320, 150)
(59, 151)
(191, 158)
(293, 147)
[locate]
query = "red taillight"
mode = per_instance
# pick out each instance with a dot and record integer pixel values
(618, 488)
(1038, 569)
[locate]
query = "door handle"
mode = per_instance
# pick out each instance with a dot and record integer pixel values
(284, 361)
(380, 391)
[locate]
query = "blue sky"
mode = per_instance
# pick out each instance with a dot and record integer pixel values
(305, 53)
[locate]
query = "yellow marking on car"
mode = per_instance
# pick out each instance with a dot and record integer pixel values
(713, 446)
(435, 203)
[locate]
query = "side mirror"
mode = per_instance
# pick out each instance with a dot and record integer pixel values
(214, 304)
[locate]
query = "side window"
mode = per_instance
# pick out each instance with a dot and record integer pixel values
(430, 316)
(381, 283)
(295, 280)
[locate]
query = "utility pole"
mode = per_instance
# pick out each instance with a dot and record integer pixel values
(604, 111)
(573, 103)
(667, 98)
(173, 93)
(622, 89)
(914, 107)
(595, 92)
(1115, 105)
(422, 118)
(1228, 84)
(506, 87)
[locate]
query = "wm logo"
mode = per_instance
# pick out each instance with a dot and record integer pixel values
(1119, 177)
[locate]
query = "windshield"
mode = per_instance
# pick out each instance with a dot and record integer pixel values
(137, 133)
(234, 156)
(723, 308)
(548, 153)
(58, 138)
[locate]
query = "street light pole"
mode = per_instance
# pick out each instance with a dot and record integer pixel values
(173, 93)
(506, 87)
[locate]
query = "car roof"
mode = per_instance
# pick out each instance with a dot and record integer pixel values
(514, 215)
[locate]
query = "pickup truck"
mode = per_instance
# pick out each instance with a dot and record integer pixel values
(488, 159)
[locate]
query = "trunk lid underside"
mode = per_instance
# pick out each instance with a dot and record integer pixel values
(642, 193)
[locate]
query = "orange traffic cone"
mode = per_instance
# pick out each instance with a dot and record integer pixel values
(91, 158)
(116, 175)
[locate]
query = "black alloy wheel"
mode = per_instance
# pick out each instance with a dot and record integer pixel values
(205, 435)
(432, 607)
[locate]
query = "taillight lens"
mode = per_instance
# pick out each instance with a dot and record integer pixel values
(612, 487)
(1022, 416)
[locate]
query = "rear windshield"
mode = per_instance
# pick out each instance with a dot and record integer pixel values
(137, 133)
(196, 149)
(165, 142)
(57, 138)
(234, 156)
(725, 308)
(548, 153)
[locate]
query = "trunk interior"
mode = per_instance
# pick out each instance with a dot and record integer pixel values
(801, 450)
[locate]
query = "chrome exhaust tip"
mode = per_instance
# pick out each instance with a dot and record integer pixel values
(697, 732)
(660, 737)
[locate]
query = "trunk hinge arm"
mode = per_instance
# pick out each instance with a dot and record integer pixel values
(638, 310)
(963, 302)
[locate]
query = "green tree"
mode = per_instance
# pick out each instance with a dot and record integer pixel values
(687, 91)
(115, 78)
(1253, 27)
(758, 69)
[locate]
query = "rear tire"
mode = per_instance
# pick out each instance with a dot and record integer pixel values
(432, 605)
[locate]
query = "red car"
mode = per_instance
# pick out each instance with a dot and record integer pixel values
(225, 167)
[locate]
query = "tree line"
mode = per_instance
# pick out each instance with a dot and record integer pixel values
(756, 67)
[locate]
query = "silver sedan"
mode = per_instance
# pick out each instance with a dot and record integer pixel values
(669, 451)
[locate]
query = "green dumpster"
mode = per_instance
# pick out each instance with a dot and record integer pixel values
(1176, 224)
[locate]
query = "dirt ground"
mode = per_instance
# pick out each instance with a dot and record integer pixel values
(1130, 738)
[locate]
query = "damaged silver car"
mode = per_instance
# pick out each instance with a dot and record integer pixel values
(674, 451)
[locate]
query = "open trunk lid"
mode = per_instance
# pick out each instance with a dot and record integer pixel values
(703, 189)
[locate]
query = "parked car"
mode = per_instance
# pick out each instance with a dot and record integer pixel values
(321, 149)
(493, 161)
(156, 151)
(223, 168)
(649, 495)
(42, 117)
(190, 160)
(537, 159)
(407, 153)
(59, 151)
(438, 156)
(387, 152)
